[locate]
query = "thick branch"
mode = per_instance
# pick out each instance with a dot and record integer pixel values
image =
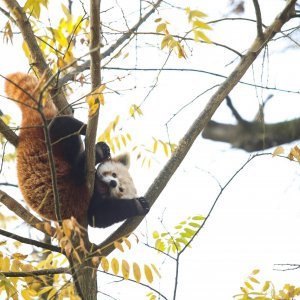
(36, 53)
(165, 175)
(253, 136)
(21, 212)
(120, 41)
(95, 68)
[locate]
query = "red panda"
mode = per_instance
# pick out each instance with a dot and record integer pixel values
(33, 168)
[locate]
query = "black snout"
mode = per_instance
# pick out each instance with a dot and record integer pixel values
(113, 184)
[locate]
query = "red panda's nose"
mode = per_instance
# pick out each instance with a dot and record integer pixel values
(113, 183)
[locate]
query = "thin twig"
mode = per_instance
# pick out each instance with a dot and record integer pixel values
(259, 26)
(199, 71)
(30, 241)
(37, 272)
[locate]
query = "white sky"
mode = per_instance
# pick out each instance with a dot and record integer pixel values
(253, 224)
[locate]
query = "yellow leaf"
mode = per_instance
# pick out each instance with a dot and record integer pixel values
(279, 150)
(66, 12)
(19, 256)
(45, 290)
(119, 246)
(125, 269)
(148, 273)
(253, 279)
(123, 140)
(115, 266)
(200, 24)
(155, 270)
(7, 34)
(52, 294)
(155, 146)
(161, 27)
(200, 35)
(166, 40)
(266, 286)
(166, 149)
(157, 20)
(104, 264)
(67, 227)
(248, 285)
(26, 295)
(5, 264)
(93, 103)
(136, 272)
(155, 235)
(255, 271)
(127, 242)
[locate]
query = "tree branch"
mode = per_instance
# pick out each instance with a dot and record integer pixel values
(21, 212)
(30, 241)
(253, 136)
(37, 273)
(95, 68)
(258, 19)
(8, 133)
(185, 144)
(36, 53)
(112, 48)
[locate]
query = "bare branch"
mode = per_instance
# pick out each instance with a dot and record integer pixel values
(30, 241)
(37, 273)
(258, 19)
(161, 181)
(234, 111)
(36, 53)
(200, 71)
(253, 136)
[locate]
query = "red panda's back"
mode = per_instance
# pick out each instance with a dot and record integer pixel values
(33, 168)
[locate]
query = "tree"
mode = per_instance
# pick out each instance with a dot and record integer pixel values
(56, 60)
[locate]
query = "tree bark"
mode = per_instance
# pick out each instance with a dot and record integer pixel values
(253, 136)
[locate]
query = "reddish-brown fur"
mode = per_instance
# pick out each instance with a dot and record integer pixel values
(32, 158)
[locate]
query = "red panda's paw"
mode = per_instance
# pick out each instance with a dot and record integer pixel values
(102, 152)
(142, 206)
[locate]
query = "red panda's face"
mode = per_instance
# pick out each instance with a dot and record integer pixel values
(116, 176)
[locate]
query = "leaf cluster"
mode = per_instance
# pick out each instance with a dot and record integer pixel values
(179, 239)
(253, 289)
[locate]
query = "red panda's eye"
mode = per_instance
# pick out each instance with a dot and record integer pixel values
(121, 190)
(114, 175)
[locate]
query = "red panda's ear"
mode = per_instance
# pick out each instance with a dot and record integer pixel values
(123, 159)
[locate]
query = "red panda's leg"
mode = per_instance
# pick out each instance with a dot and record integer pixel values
(65, 126)
(102, 153)
(105, 212)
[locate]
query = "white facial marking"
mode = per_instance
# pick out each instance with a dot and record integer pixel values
(116, 171)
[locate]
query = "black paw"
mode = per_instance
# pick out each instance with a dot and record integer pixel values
(143, 206)
(102, 152)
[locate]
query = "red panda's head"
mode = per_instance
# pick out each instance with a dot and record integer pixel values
(115, 178)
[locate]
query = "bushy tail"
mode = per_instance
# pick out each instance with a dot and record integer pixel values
(22, 88)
